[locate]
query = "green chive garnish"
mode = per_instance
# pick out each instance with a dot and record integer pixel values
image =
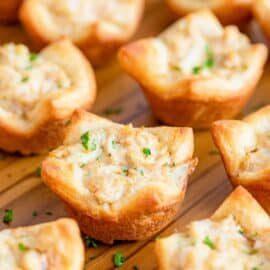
(196, 70)
(147, 152)
(90, 242)
(21, 247)
(33, 57)
(24, 79)
(118, 259)
(207, 241)
(8, 216)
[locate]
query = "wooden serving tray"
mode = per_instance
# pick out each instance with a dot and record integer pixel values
(32, 202)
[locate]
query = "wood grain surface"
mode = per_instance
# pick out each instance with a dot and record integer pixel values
(23, 191)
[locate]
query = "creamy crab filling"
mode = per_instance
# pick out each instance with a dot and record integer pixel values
(22, 252)
(76, 16)
(114, 163)
(199, 47)
(26, 78)
(258, 159)
(223, 245)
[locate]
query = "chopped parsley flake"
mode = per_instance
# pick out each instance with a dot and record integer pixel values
(92, 258)
(141, 172)
(21, 247)
(135, 267)
(48, 213)
(114, 143)
(207, 241)
(125, 171)
(157, 237)
(34, 214)
(89, 242)
(208, 63)
(33, 57)
(241, 231)
(93, 146)
(147, 152)
(255, 268)
(38, 172)
(24, 79)
(85, 140)
(118, 259)
(8, 216)
(196, 70)
(111, 111)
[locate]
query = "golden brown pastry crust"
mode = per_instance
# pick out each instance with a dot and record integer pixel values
(43, 130)
(140, 214)
(243, 147)
(228, 12)
(261, 11)
(133, 226)
(101, 39)
(57, 245)
(193, 99)
(9, 10)
(240, 205)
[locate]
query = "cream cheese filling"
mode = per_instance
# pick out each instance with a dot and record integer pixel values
(26, 78)
(258, 159)
(210, 245)
(75, 17)
(121, 161)
(20, 250)
(199, 47)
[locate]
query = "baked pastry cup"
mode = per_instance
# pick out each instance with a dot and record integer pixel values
(196, 71)
(244, 147)
(97, 27)
(120, 182)
(39, 93)
(261, 11)
(53, 245)
(228, 12)
(237, 236)
(9, 10)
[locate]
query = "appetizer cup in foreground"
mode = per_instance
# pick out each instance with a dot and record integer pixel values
(196, 71)
(237, 236)
(52, 246)
(98, 27)
(261, 10)
(9, 10)
(39, 93)
(244, 147)
(228, 11)
(120, 182)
